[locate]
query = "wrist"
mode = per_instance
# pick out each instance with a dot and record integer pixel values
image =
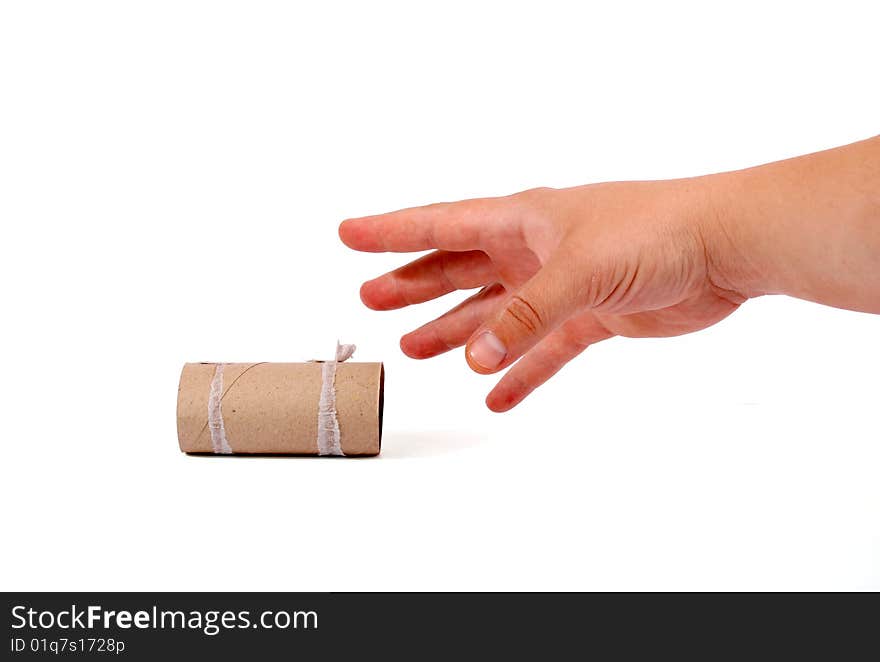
(808, 227)
(737, 236)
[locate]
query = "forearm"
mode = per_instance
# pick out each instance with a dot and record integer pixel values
(808, 227)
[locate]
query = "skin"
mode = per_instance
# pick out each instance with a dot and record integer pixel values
(563, 269)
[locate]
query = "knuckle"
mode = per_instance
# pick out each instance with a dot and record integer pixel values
(524, 314)
(531, 200)
(532, 194)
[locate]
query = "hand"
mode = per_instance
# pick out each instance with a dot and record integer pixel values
(560, 270)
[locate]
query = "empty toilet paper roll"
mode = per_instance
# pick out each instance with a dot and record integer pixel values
(315, 408)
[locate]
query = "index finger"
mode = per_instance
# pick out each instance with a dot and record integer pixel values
(451, 226)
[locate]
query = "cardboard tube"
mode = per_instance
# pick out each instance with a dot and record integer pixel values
(273, 407)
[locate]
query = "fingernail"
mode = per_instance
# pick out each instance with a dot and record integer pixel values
(487, 351)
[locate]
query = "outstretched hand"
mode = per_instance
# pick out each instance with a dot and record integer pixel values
(559, 270)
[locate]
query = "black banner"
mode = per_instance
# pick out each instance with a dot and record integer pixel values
(265, 626)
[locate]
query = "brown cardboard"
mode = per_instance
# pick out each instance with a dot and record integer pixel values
(273, 407)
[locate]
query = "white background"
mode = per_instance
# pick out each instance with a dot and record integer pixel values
(171, 178)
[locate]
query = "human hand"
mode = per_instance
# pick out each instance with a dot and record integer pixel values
(564, 269)
(560, 270)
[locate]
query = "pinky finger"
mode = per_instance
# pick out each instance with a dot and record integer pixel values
(545, 360)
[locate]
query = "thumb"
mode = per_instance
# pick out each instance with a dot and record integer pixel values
(548, 299)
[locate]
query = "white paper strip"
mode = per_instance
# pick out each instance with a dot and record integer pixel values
(215, 414)
(328, 425)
